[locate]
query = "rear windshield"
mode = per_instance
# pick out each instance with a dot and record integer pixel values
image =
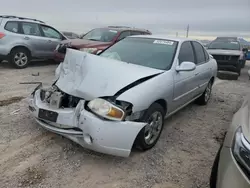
(153, 53)
(224, 45)
(101, 34)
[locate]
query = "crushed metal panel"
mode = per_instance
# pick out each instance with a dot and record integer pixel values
(89, 76)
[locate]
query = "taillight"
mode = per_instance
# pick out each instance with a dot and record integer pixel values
(1, 35)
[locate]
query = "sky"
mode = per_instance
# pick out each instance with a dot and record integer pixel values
(206, 18)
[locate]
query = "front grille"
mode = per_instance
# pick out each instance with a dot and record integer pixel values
(226, 57)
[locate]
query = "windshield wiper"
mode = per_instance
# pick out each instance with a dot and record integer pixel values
(94, 39)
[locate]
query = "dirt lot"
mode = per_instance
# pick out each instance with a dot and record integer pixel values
(32, 157)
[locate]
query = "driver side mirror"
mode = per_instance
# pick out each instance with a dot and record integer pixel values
(186, 66)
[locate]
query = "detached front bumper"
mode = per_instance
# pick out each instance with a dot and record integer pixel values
(88, 130)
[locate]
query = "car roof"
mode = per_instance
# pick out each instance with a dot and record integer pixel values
(124, 28)
(17, 18)
(164, 37)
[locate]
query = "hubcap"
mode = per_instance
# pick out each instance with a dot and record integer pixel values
(153, 128)
(20, 59)
(208, 92)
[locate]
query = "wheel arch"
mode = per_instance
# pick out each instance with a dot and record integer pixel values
(22, 47)
(163, 103)
(212, 80)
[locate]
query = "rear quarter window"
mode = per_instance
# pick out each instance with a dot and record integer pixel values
(11, 26)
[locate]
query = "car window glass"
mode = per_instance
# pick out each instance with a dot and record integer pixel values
(101, 34)
(123, 35)
(186, 53)
(200, 56)
(206, 54)
(153, 53)
(12, 26)
(31, 29)
(136, 33)
(224, 45)
(50, 32)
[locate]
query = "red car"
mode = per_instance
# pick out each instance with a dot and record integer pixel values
(97, 40)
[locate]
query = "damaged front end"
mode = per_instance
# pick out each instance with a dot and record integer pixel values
(83, 104)
(102, 124)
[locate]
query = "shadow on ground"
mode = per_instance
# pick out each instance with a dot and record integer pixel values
(36, 63)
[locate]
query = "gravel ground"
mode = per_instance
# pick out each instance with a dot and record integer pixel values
(33, 157)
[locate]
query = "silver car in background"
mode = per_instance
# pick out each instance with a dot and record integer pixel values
(110, 102)
(24, 39)
(231, 166)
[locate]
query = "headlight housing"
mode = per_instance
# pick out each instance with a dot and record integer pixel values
(89, 50)
(106, 109)
(241, 150)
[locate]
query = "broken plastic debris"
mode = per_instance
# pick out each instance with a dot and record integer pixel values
(15, 112)
(37, 74)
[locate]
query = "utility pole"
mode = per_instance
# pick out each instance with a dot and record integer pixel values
(176, 34)
(187, 30)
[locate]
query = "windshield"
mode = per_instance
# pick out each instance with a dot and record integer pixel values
(224, 45)
(153, 53)
(102, 34)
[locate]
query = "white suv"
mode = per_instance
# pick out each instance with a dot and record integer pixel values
(24, 39)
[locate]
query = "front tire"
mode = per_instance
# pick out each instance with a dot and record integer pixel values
(150, 134)
(20, 58)
(204, 98)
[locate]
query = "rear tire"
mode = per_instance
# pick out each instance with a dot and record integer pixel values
(150, 134)
(19, 58)
(204, 98)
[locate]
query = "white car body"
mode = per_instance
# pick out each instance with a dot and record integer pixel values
(89, 77)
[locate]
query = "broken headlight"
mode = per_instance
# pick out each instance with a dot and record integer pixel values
(106, 109)
(241, 150)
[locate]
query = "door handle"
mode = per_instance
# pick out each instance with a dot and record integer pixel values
(26, 38)
(196, 74)
(49, 41)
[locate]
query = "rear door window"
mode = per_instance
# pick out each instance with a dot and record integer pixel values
(31, 29)
(12, 26)
(199, 52)
(206, 55)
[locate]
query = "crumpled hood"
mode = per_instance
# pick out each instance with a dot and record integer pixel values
(80, 43)
(223, 52)
(89, 76)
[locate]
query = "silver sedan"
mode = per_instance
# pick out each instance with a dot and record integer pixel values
(119, 99)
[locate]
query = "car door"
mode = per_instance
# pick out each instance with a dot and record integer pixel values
(52, 37)
(204, 70)
(185, 82)
(32, 37)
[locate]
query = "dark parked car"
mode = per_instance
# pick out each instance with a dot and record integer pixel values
(229, 55)
(97, 40)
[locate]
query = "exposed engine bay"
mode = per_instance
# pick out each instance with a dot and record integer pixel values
(57, 98)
